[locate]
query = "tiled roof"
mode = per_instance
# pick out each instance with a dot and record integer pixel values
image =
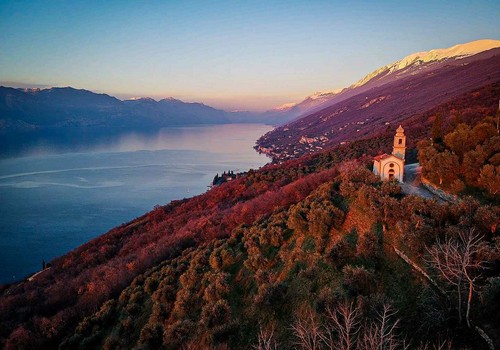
(384, 156)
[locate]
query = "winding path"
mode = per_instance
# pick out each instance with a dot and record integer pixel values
(412, 184)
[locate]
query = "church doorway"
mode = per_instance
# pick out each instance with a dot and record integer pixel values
(391, 174)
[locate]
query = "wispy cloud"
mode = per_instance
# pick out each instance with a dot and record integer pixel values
(17, 84)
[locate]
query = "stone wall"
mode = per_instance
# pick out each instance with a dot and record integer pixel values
(437, 191)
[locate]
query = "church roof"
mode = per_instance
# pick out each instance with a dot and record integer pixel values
(385, 156)
(381, 156)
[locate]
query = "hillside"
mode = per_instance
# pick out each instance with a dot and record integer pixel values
(272, 256)
(416, 63)
(290, 111)
(299, 271)
(370, 108)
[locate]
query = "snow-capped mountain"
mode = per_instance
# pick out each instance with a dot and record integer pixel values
(391, 94)
(309, 102)
(285, 107)
(430, 57)
(410, 65)
(290, 111)
(144, 99)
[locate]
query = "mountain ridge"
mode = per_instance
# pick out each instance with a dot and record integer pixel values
(458, 51)
(364, 111)
(410, 64)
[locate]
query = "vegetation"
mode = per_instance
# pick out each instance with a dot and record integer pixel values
(467, 158)
(469, 108)
(314, 253)
(320, 274)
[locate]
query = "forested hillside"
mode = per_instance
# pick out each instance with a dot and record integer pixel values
(314, 253)
(319, 275)
(40, 311)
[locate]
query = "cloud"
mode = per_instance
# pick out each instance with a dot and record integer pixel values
(17, 84)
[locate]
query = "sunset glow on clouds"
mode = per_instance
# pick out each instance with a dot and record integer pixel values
(235, 55)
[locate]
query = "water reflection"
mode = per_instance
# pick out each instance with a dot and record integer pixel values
(66, 190)
(213, 138)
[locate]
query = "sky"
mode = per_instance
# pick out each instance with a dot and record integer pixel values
(236, 55)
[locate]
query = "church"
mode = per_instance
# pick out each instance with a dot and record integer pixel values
(392, 166)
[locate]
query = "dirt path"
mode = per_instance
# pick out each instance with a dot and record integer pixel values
(412, 184)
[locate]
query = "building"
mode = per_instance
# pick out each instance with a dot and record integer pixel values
(225, 177)
(392, 166)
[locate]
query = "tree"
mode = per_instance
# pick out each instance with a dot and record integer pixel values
(266, 340)
(459, 261)
(345, 328)
(308, 331)
(460, 140)
(345, 325)
(482, 132)
(446, 167)
(380, 334)
(426, 153)
(489, 179)
(437, 129)
(471, 165)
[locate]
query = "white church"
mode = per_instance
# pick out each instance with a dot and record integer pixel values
(392, 166)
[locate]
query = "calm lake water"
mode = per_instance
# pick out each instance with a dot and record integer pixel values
(56, 197)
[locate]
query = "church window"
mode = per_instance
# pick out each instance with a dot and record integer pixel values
(391, 165)
(400, 141)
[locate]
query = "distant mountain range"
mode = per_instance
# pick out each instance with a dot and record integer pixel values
(34, 109)
(390, 94)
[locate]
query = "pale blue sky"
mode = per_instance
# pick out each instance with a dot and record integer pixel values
(232, 54)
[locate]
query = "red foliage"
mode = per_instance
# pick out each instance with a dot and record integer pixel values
(83, 279)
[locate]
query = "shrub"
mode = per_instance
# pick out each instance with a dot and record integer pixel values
(358, 280)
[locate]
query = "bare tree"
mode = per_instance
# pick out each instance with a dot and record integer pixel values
(266, 340)
(459, 262)
(308, 331)
(381, 334)
(442, 345)
(344, 326)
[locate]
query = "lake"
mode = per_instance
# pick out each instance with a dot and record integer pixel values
(57, 196)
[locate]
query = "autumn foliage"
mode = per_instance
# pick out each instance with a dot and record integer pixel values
(468, 157)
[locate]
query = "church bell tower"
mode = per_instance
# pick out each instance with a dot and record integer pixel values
(399, 147)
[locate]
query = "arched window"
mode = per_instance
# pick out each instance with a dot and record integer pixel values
(400, 141)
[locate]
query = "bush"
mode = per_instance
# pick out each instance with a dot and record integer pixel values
(358, 280)
(215, 314)
(152, 335)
